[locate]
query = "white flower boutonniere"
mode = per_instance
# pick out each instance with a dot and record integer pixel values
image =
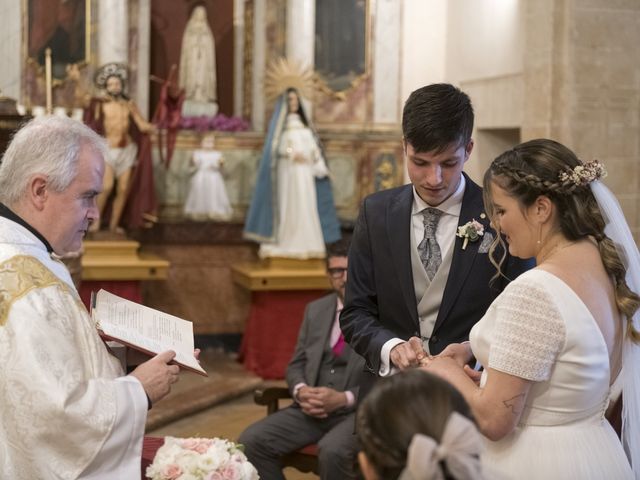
(470, 231)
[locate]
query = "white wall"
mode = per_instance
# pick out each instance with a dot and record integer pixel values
(484, 39)
(423, 48)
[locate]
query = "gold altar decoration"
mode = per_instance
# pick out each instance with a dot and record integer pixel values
(282, 74)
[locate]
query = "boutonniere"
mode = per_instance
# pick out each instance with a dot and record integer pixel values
(470, 231)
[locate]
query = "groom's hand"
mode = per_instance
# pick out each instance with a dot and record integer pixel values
(408, 354)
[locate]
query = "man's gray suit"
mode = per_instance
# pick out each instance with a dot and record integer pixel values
(287, 430)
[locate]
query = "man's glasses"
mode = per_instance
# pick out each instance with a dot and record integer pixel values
(336, 272)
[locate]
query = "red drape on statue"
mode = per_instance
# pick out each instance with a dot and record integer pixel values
(141, 209)
(167, 116)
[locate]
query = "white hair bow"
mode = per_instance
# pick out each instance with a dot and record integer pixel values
(459, 450)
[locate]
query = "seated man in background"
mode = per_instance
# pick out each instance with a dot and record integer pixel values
(323, 377)
(66, 408)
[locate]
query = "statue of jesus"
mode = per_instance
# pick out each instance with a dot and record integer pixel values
(117, 118)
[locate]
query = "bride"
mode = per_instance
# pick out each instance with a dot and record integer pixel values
(561, 337)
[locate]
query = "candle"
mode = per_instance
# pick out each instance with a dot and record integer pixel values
(48, 79)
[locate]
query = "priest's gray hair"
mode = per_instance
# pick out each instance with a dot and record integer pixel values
(48, 146)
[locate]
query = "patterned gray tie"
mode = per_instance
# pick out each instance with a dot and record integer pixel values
(429, 249)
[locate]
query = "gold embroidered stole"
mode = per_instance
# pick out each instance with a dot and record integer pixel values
(21, 274)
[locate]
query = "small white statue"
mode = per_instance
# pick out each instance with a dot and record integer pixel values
(198, 66)
(207, 198)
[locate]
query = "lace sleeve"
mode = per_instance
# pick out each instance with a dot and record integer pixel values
(529, 332)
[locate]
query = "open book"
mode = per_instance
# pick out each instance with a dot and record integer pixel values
(145, 329)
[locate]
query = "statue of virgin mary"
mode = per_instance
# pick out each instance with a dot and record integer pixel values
(198, 66)
(292, 212)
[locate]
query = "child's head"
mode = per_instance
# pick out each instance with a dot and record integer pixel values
(208, 141)
(415, 423)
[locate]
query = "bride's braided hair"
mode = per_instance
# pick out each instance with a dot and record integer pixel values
(545, 167)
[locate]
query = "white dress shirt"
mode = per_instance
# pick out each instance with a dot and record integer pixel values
(445, 236)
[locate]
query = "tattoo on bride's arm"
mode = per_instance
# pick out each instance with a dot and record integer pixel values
(512, 404)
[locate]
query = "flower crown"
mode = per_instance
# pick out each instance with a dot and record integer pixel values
(584, 174)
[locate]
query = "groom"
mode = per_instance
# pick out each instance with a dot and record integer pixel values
(414, 285)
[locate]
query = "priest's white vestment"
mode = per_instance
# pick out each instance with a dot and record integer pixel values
(66, 410)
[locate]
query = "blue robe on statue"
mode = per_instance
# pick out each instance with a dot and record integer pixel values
(261, 224)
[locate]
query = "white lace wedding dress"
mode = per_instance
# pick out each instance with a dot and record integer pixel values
(540, 330)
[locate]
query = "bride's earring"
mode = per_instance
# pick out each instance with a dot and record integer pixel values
(539, 242)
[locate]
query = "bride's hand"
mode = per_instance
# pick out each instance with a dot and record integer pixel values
(473, 374)
(444, 367)
(460, 352)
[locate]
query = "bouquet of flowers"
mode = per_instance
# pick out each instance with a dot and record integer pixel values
(200, 459)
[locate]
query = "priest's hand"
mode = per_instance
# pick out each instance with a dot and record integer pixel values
(157, 376)
(408, 354)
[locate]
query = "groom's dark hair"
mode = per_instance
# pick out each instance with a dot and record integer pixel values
(437, 116)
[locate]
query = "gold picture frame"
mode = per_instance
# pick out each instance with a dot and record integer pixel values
(62, 25)
(336, 75)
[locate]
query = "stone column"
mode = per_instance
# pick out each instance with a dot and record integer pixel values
(238, 56)
(386, 62)
(301, 32)
(113, 31)
(301, 29)
(258, 67)
(10, 52)
(144, 54)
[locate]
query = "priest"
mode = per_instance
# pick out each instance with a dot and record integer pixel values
(67, 410)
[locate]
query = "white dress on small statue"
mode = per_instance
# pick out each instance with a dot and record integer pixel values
(207, 198)
(540, 330)
(298, 234)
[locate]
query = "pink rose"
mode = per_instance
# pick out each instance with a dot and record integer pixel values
(171, 471)
(200, 445)
(231, 471)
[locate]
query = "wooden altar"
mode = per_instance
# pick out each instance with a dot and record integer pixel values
(280, 291)
(119, 267)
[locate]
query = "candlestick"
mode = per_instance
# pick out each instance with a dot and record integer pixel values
(48, 80)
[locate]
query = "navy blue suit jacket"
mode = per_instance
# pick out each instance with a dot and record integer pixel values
(380, 301)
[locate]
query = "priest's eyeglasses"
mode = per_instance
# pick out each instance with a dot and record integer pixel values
(336, 272)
